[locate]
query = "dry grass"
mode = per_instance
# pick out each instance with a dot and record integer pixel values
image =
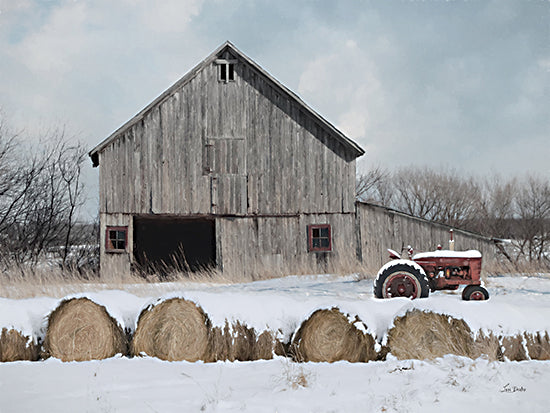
(328, 335)
(54, 282)
(488, 345)
(240, 342)
(15, 346)
(426, 335)
(79, 329)
(523, 267)
(538, 345)
(513, 348)
(526, 346)
(175, 329)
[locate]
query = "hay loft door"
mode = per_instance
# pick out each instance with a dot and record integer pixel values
(163, 245)
(224, 160)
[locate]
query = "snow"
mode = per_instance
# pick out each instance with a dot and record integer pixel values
(392, 263)
(448, 254)
(450, 384)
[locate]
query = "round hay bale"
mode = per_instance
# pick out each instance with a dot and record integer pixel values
(175, 329)
(426, 335)
(15, 346)
(79, 330)
(328, 335)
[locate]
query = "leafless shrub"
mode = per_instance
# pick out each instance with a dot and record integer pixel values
(295, 376)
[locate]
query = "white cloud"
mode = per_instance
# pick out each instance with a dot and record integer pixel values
(544, 63)
(345, 83)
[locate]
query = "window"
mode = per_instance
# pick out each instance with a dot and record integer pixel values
(319, 237)
(116, 239)
(226, 70)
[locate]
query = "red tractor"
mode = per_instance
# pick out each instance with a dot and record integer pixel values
(437, 270)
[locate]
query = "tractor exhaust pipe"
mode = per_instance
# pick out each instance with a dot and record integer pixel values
(451, 241)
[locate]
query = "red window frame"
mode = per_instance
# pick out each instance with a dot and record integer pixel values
(112, 244)
(319, 237)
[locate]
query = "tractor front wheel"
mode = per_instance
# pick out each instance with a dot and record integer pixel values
(401, 280)
(475, 293)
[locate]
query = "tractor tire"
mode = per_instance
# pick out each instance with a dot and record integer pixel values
(401, 280)
(475, 293)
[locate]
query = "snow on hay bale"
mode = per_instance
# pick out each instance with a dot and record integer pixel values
(15, 346)
(426, 335)
(80, 329)
(175, 329)
(329, 335)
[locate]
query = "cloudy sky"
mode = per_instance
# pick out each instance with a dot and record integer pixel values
(453, 83)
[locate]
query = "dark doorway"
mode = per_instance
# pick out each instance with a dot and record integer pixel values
(162, 245)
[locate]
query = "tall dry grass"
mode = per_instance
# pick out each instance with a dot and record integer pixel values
(15, 346)
(237, 341)
(53, 281)
(523, 267)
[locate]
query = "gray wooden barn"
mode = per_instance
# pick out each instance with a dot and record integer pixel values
(229, 169)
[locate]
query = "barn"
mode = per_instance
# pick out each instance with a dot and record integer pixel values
(229, 169)
(226, 169)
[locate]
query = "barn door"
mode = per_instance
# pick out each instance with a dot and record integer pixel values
(165, 244)
(225, 163)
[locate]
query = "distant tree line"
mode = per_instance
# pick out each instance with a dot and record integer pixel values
(516, 208)
(41, 191)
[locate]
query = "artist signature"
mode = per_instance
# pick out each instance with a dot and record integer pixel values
(512, 389)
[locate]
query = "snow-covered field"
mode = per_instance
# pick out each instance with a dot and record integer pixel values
(449, 384)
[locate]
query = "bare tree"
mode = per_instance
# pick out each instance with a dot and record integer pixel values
(533, 213)
(513, 208)
(495, 209)
(372, 186)
(439, 196)
(40, 193)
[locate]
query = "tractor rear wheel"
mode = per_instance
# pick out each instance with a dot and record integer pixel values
(475, 293)
(401, 280)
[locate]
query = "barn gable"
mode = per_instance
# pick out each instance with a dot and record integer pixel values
(228, 52)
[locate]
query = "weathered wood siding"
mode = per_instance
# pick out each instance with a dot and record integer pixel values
(115, 264)
(237, 148)
(270, 244)
(380, 228)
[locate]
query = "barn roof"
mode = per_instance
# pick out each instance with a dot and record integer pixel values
(348, 143)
